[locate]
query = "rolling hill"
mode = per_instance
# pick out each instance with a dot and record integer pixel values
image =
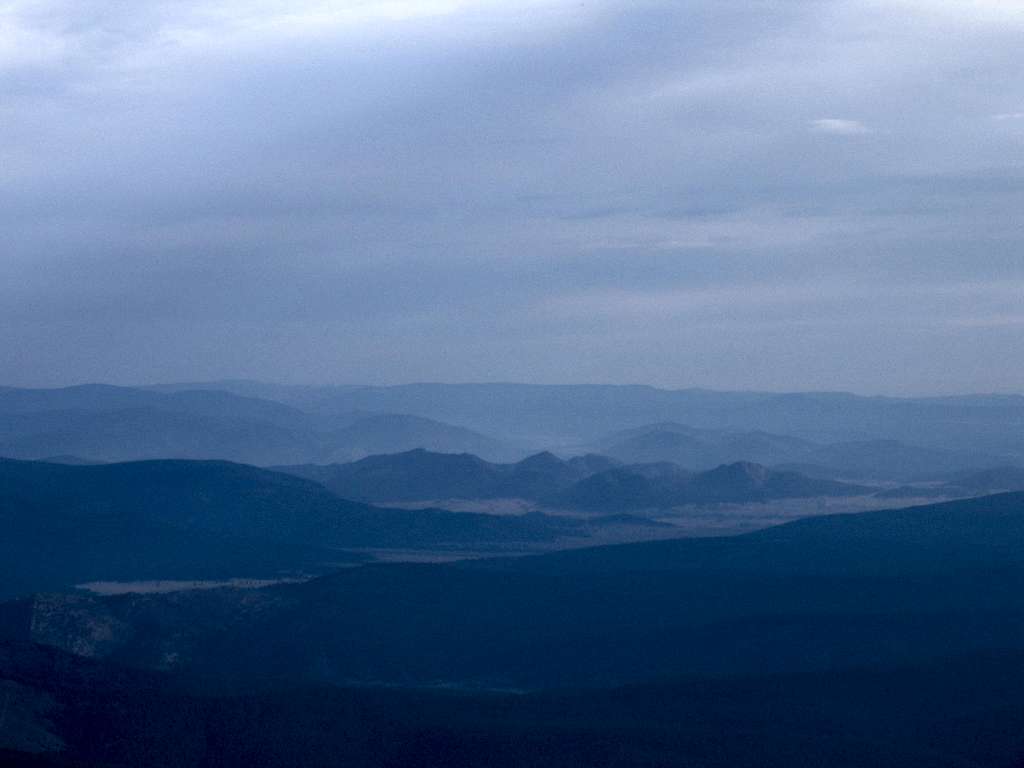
(65, 525)
(663, 486)
(420, 475)
(588, 483)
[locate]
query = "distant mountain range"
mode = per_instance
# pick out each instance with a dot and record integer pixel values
(393, 433)
(699, 448)
(590, 482)
(831, 436)
(104, 423)
(556, 416)
(857, 460)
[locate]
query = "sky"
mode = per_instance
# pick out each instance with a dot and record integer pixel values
(770, 194)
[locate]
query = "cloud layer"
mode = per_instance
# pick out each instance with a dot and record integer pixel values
(816, 194)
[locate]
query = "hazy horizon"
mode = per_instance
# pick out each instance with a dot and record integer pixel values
(214, 383)
(800, 196)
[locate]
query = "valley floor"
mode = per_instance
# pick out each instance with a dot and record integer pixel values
(689, 520)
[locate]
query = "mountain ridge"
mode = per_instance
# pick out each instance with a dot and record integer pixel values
(65, 525)
(590, 482)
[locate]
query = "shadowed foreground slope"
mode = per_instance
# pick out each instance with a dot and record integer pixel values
(949, 714)
(886, 587)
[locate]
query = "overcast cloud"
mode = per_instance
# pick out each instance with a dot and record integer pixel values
(810, 194)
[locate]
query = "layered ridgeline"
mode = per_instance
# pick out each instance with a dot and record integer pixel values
(588, 483)
(856, 460)
(105, 423)
(70, 524)
(550, 416)
(64, 525)
(834, 436)
(662, 486)
(882, 588)
(418, 475)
